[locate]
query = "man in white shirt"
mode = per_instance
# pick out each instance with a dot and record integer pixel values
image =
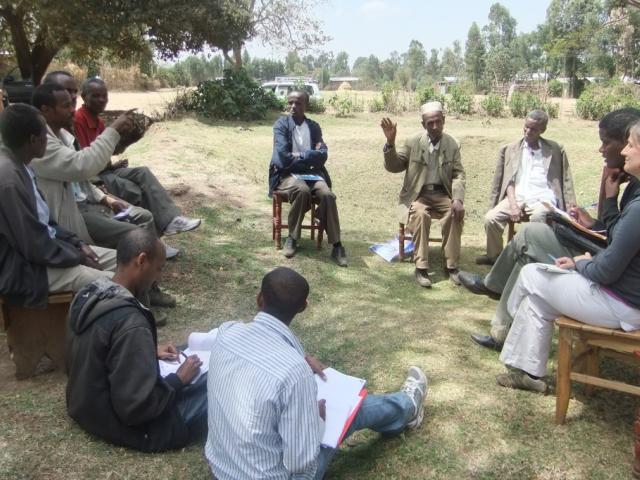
(530, 171)
(265, 420)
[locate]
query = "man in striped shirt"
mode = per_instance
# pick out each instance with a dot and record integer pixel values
(264, 417)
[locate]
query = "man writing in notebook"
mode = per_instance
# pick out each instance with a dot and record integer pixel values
(265, 420)
(299, 150)
(115, 391)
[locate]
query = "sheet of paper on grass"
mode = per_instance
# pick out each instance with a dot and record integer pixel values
(390, 250)
(342, 394)
(199, 344)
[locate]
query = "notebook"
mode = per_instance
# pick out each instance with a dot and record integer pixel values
(199, 344)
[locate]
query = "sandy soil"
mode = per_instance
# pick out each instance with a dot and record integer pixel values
(146, 102)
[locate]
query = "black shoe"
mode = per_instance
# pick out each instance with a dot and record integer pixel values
(454, 275)
(475, 284)
(339, 255)
(485, 260)
(487, 341)
(289, 249)
(422, 277)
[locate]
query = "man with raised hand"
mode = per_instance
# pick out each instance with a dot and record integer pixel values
(265, 420)
(299, 150)
(529, 172)
(37, 256)
(433, 187)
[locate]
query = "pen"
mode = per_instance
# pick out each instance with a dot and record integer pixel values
(180, 352)
(553, 259)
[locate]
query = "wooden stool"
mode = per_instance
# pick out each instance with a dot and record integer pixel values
(277, 225)
(33, 333)
(590, 342)
(402, 236)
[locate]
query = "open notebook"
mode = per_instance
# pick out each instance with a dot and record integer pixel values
(199, 344)
(343, 395)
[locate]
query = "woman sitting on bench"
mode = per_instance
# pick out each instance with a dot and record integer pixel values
(603, 290)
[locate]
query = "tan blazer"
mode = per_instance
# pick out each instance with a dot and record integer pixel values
(412, 157)
(63, 164)
(555, 161)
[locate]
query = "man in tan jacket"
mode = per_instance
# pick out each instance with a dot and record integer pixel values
(434, 187)
(529, 171)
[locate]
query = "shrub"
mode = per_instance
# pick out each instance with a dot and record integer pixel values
(598, 100)
(236, 97)
(376, 105)
(342, 105)
(555, 88)
(316, 105)
(493, 105)
(390, 97)
(461, 101)
(522, 103)
(427, 93)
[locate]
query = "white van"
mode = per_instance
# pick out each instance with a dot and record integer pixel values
(281, 86)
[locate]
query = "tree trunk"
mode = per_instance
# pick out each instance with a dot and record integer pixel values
(237, 56)
(15, 20)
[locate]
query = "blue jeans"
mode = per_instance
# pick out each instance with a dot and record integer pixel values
(385, 414)
(192, 405)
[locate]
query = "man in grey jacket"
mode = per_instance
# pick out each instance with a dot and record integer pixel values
(37, 256)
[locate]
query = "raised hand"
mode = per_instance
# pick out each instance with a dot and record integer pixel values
(389, 129)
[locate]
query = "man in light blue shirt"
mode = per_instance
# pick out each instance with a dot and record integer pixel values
(264, 417)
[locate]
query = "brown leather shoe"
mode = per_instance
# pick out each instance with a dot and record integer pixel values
(422, 277)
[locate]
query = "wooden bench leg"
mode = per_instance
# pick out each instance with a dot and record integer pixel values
(401, 242)
(636, 445)
(592, 368)
(563, 381)
(277, 221)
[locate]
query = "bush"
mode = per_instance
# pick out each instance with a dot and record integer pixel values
(376, 105)
(522, 103)
(316, 105)
(555, 88)
(493, 105)
(427, 93)
(461, 101)
(390, 98)
(236, 97)
(598, 100)
(342, 105)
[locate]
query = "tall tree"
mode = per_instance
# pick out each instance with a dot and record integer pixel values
(501, 29)
(340, 66)
(474, 56)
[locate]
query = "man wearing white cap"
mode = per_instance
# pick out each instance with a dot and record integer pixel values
(434, 186)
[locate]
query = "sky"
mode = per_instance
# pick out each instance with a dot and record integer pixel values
(378, 27)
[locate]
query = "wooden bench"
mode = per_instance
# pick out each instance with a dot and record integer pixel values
(33, 333)
(589, 343)
(277, 225)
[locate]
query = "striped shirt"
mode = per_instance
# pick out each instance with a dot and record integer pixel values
(263, 411)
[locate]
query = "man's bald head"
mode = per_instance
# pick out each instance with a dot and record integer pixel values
(283, 294)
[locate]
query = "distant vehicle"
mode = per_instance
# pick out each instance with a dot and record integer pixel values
(16, 91)
(281, 87)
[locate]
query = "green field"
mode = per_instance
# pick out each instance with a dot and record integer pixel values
(370, 319)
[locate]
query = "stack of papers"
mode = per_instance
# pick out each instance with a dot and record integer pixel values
(390, 250)
(343, 395)
(199, 344)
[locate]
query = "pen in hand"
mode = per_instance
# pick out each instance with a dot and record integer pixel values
(180, 352)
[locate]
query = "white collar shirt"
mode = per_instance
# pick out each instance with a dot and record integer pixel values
(42, 208)
(531, 185)
(301, 138)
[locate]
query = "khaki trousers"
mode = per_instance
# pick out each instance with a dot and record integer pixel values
(300, 194)
(75, 278)
(497, 218)
(435, 205)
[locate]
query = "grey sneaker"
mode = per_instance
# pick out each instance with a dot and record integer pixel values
(515, 378)
(422, 277)
(182, 224)
(170, 252)
(289, 249)
(415, 386)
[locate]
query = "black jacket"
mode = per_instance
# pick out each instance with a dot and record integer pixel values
(282, 161)
(115, 390)
(26, 250)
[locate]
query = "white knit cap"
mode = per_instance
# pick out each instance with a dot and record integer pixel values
(431, 107)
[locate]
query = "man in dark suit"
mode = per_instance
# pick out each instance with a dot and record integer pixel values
(529, 171)
(297, 170)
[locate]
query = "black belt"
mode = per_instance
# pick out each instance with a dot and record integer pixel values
(434, 188)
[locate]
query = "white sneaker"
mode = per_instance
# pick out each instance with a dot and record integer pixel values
(169, 251)
(415, 386)
(181, 224)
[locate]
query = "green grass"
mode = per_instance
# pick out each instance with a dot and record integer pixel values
(369, 320)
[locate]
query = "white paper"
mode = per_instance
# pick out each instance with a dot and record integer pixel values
(554, 269)
(123, 214)
(390, 250)
(199, 344)
(342, 394)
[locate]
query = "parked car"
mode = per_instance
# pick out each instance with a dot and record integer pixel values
(281, 87)
(16, 91)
